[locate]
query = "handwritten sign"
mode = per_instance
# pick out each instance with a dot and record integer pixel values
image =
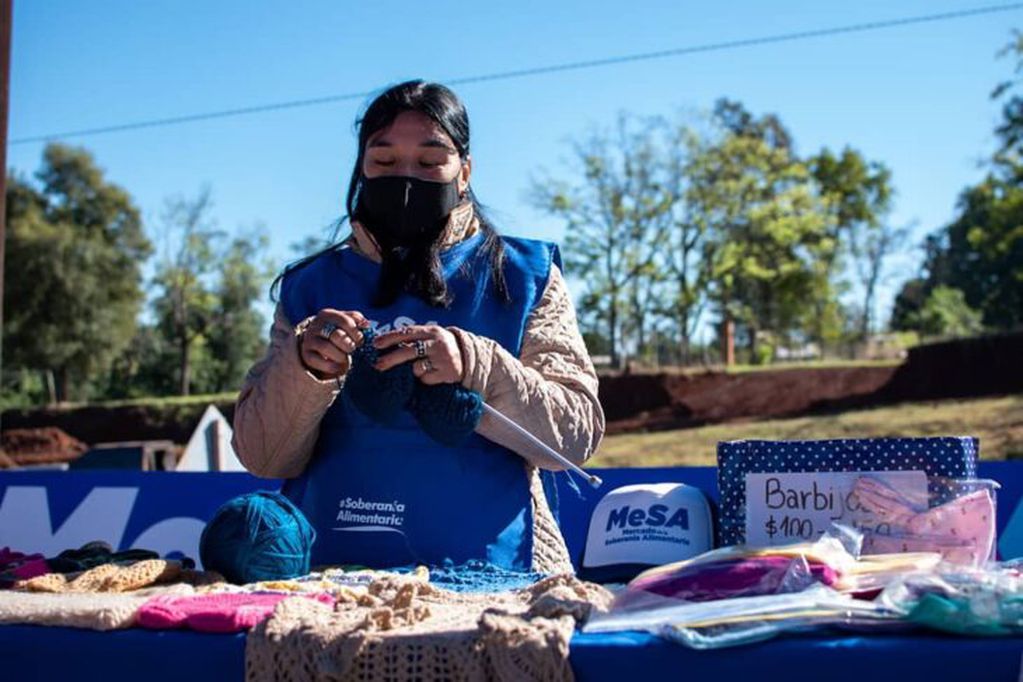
(793, 507)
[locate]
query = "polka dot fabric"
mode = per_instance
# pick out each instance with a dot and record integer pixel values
(946, 457)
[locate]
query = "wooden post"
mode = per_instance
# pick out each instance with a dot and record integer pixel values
(216, 456)
(5, 79)
(728, 342)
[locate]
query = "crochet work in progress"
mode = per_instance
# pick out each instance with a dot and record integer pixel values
(381, 396)
(403, 628)
(448, 413)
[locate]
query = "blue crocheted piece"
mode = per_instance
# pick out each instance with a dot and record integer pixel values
(479, 576)
(448, 413)
(381, 396)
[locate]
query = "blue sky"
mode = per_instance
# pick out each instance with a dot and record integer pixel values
(915, 98)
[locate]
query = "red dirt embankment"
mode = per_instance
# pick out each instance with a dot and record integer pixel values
(48, 445)
(966, 368)
(671, 401)
(991, 365)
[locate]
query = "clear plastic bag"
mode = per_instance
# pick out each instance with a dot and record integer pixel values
(835, 560)
(737, 595)
(738, 571)
(707, 625)
(984, 600)
(826, 611)
(957, 520)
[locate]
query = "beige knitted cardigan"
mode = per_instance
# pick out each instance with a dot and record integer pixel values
(550, 389)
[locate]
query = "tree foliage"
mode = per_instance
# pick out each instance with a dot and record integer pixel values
(980, 252)
(669, 221)
(74, 293)
(73, 280)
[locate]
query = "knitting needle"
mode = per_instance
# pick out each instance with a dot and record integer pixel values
(558, 457)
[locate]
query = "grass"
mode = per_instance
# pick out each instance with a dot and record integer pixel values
(812, 364)
(742, 369)
(205, 399)
(998, 422)
(152, 401)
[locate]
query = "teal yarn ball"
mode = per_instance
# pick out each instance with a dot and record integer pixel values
(257, 536)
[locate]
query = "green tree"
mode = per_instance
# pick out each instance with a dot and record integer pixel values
(186, 302)
(73, 283)
(946, 313)
(232, 338)
(1010, 129)
(858, 194)
(668, 218)
(686, 250)
(983, 251)
(617, 218)
(237, 333)
(980, 252)
(769, 231)
(908, 303)
(145, 368)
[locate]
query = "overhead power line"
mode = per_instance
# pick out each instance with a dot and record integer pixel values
(534, 71)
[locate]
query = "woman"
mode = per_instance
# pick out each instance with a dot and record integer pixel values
(427, 272)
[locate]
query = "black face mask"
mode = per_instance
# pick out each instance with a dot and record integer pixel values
(404, 212)
(406, 217)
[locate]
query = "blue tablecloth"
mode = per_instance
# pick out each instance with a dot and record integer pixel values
(37, 653)
(40, 653)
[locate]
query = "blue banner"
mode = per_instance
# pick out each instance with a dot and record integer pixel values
(49, 511)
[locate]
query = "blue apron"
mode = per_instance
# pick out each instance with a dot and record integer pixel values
(385, 496)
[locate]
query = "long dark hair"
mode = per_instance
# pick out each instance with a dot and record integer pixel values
(420, 273)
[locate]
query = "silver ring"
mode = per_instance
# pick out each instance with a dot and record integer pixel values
(420, 348)
(427, 365)
(327, 329)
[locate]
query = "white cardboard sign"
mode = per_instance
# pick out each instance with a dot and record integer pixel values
(784, 508)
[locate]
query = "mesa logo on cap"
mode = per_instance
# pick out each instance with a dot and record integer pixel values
(655, 516)
(638, 526)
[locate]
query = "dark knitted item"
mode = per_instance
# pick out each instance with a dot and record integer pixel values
(381, 396)
(448, 413)
(93, 554)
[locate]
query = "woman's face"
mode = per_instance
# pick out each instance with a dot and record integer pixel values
(413, 145)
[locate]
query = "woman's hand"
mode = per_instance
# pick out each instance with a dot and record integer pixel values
(326, 344)
(433, 350)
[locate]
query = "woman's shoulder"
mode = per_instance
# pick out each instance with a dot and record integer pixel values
(528, 265)
(315, 265)
(310, 274)
(535, 254)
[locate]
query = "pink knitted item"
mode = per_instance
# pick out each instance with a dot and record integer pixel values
(21, 566)
(962, 530)
(32, 567)
(215, 612)
(9, 556)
